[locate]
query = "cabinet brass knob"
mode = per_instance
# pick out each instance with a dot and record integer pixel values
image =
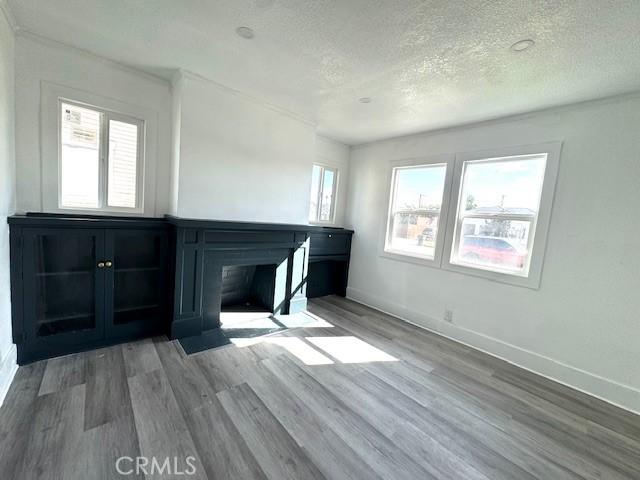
(100, 264)
(108, 264)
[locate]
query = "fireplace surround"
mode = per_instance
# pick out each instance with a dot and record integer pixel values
(229, 264)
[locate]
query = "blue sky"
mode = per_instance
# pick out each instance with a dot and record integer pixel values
(427, 181)
(519, 181)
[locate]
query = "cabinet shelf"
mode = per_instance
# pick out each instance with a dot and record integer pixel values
(61, 318)
(137, 269)
(138, 307)
(57, 274)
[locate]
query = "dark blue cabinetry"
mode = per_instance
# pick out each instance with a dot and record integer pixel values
(80, 283)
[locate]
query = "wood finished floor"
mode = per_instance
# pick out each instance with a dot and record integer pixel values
(363, 397)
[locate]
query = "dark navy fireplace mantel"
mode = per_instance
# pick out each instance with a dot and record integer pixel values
(204, 247)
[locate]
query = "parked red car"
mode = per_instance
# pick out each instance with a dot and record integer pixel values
(500, 251)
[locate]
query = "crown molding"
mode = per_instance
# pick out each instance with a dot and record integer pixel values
(49, 42)
(178, 74)
(246, 96)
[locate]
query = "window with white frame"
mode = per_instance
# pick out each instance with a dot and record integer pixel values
(486, 213)
(497, 213)
(324, 181)
(415, 209)
(99, 159)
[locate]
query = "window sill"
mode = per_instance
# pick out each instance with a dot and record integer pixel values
(98, 212)
(408, 258)
(531, 281)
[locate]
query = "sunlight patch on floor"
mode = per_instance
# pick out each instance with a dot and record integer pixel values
(295, 346)
(303, 320)
(350, 349)
(247, 320)
(305, 352)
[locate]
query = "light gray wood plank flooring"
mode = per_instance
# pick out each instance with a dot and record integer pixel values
(356, 395)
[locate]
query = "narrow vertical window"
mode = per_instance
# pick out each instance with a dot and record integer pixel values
(123, 169)
(323, 189)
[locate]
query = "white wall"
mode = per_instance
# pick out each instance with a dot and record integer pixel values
(335, 154)
(39, 61)
(176, 127)
(581, 327)
(241, 159)
(7, 198)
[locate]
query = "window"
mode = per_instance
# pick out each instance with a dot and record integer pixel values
(323, 188)
(415, 210)
(497, 213)
(499, 217)
(100, 159)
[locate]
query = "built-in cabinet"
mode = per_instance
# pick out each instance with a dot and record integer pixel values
(79, 284)
(82, 282)
(330, 251)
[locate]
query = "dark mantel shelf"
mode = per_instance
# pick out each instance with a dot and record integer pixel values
(241, 225)
(52, 219)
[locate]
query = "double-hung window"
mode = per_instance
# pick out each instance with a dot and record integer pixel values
(324, 181)
(496, 226)
(100, 159)
(415, 213)
(497, 213)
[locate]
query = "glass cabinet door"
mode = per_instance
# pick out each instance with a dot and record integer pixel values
(65, 284)
(137, 273)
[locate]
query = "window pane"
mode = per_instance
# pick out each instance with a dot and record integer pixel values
(503, 186)
(497, 212)
(79, 157)
(494, 243)
(123, 159)
(415, 210)
(316, 175)
(327, 195)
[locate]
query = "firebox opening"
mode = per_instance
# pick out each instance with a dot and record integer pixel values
(248, 288)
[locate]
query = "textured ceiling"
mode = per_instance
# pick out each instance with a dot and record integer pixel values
(425, 63)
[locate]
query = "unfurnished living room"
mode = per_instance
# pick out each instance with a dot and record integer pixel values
(320, 239)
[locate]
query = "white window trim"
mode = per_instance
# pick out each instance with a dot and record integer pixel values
(52, 95)
(539, 236)
(448, 161)
(334, 196)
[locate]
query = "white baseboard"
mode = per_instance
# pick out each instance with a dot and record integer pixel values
(618, 394)
(8, 369)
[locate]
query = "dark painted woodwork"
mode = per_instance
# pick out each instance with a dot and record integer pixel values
(277, 254)
(330, 252)
(79, 283)
(166, 276)
(205, 248)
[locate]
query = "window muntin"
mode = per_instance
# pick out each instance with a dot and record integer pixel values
(100, 159)
(323, 188)
(497, 213)
(415, 209)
